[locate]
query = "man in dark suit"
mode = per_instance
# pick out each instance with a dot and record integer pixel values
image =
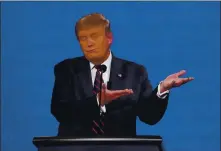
(126, 91)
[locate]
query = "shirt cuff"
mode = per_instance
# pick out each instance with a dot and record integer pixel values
(162, 95)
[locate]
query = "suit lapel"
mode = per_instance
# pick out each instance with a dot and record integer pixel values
(117, 80)
(84, 75)
(117, 74)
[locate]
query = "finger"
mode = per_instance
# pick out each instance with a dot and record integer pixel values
(127, 92)
(181, 81)
(131, 91)
(191, 78)
(120, 95)
(104, 87)
(182, 72)
(118, 92)
(185, 80)
(122, 92)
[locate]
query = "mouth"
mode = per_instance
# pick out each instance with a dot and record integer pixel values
(91, 50)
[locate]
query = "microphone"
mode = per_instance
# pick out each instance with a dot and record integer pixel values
(103, 69)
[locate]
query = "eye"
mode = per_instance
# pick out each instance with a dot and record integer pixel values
(82, 38)
(95, 35)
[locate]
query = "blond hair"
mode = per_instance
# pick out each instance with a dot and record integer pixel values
(94, 19)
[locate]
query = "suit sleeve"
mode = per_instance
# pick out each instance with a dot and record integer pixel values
(64, 106)
(150, 108)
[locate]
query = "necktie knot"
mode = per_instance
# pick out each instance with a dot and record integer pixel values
(98, 67)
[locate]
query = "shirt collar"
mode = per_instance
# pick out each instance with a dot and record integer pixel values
(106, 62)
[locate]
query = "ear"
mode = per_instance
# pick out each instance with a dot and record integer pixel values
(110, 38)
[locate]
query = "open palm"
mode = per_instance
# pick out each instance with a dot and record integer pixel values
(174, 80)
(109, 95)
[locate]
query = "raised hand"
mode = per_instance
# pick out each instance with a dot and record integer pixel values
(174, 80)
(109, 95)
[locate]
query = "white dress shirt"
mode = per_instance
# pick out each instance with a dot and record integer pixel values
(106, 77)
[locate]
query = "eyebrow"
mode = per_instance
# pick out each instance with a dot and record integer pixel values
(94, 33)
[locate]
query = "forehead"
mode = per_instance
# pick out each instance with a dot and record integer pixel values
(90, 30)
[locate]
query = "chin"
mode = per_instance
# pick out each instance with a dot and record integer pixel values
(92, 58)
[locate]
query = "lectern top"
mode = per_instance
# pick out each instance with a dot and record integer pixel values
(60, 141)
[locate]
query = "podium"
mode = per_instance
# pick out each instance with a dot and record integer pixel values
(139, 143)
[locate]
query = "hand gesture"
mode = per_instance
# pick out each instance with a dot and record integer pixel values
(174, 80)
(109, 95)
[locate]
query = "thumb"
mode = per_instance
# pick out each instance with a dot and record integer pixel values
(104, 87)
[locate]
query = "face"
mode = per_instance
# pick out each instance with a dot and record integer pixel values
(95, 43)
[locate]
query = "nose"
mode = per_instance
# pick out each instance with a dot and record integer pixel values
(90, 42)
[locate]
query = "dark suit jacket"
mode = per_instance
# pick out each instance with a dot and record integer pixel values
(74, 105)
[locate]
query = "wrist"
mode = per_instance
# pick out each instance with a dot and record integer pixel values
(162, 87)
(100, 99)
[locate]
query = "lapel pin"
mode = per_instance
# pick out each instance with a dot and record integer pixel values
(119, 75)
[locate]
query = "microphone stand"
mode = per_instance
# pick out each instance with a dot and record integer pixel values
(103, 69)
(100, 92)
